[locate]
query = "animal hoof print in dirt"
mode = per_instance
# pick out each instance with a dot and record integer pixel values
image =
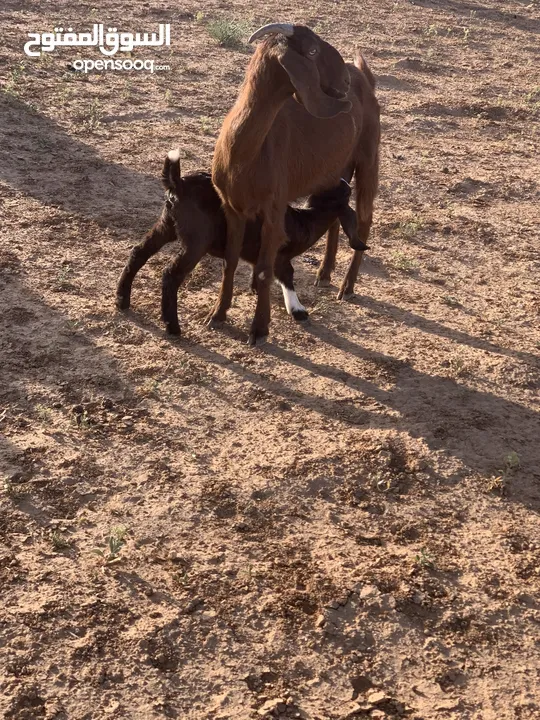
(122, 302)
(256, 340)
(300, 315)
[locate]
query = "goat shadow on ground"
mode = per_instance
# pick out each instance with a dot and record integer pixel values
(519, 22)
(39, 159)
(475, 427)
(435, 328)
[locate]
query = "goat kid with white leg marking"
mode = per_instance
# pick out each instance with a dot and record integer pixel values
(302, 120)
(193, 215)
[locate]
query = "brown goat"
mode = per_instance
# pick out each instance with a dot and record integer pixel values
(193, 215)
(303, 119)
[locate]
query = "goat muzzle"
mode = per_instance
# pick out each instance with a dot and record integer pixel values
(286, 29)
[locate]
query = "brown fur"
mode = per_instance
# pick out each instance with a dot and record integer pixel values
(271, 150)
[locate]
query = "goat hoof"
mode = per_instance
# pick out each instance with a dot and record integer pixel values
(256, 340)
(322, 282)
(300, 315)
(123, 302)
(173, 329)
(342, 295)
(214, 324)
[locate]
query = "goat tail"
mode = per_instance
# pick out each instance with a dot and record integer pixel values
(362, 65)
(170, 176)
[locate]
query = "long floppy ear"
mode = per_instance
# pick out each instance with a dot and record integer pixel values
(349, 223)
(304, 76)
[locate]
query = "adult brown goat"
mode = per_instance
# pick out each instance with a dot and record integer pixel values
(274, 148)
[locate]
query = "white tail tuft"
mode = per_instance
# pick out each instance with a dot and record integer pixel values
(174, 155)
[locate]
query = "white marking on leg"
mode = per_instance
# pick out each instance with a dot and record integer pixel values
(291, 300)
(262, 275)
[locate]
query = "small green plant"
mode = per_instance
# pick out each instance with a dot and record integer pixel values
(424, 559)
(9, 489)
(450, 301)
(229, 33)
(409, 228)
(199, 17)
(114, 544)
(404, 263)
(15, 79)
(82, 420)
(92, 116)
(180, 578)
(432, 30)
(206, 127)
(59, 542)
(458, 367)
(62, 281)
(512, 461)
(466, 33)
(152, 386)
(43, 412)
(499, 483)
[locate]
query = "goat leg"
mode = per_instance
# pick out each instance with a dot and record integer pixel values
(272, 237)
(173, 276)
(236, 225)
(346, 290)
(284, 272)
(161, 234)
(324, 273)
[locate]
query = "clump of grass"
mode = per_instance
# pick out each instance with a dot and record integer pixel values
(409, 228)
(114, 544)
(425, 560)
(92, 116)
(43, 412)
(404, 263)
(62, 282)
(458, 367)
(228, 33)
(15, 80)
(206, 125)
(450, 301)
(59, 542)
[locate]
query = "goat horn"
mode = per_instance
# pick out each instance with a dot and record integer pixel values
(286, 29)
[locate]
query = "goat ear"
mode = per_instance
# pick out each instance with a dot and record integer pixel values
(349, 223)
(304, 76)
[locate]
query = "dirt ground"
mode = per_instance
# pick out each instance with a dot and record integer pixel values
(341, 524)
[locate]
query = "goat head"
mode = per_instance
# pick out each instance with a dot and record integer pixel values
(317, 72)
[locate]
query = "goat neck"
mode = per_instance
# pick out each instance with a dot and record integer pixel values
(265, 90)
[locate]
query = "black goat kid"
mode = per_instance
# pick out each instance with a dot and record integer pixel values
(193, 215)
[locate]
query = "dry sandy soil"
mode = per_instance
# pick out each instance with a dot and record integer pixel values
(341, 524)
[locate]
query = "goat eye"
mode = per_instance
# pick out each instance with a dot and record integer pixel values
(312, 52)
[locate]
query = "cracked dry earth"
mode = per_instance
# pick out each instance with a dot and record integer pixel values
(342, 524)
